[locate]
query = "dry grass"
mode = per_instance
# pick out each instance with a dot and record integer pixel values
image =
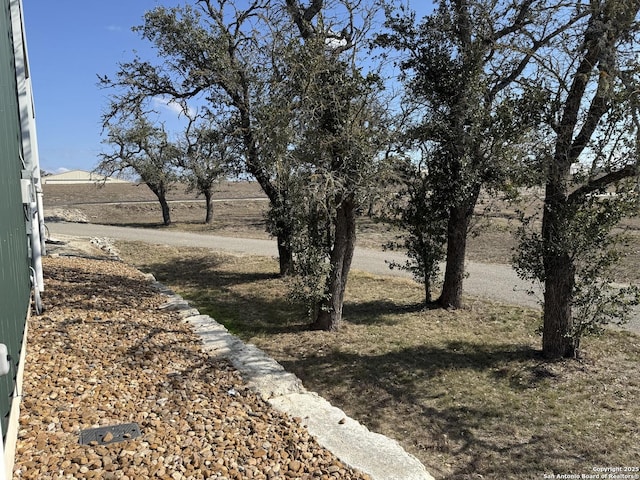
(239, 208)
(464, 391)
(83, 194)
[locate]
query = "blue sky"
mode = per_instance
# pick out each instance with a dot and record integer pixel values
(70, 42)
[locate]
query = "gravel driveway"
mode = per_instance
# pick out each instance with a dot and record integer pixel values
(490, 281)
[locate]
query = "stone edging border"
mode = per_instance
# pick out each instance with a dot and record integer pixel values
(372, 453)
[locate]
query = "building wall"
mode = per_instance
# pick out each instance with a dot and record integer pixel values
(75, 177)
(15, 283)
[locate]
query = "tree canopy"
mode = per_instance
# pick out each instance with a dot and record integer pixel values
(591, 119)
(144, 148)
(497, 96)
(462, 67)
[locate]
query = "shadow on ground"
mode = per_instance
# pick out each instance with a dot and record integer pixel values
(466, 392)
(238, 299)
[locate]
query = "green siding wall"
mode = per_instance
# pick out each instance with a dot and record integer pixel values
(15, 285)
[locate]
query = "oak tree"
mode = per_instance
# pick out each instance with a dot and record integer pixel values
(461, 66)
(142, 148)
(423, 226)
(220, 54)
(209, 153)
(339, 136)
(591, 120)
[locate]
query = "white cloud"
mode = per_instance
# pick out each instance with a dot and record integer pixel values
(61, 170)
(334, 43)
(114, 28)
(169, 105)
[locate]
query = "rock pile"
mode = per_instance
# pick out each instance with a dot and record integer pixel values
(107, 246)
(104, 354)
(65, 215)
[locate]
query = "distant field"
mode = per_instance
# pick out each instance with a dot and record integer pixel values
(240, 210)
(66, 195)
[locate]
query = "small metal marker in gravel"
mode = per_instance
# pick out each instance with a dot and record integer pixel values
(110, 434)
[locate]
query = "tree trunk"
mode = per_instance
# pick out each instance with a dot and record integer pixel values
(166, 215)
(329, 315)
(255, 167)
(457, 228)
(160, 191)
(283, 229)
(427, 291)
(285, 253)
(208, 198)
(284, 232)
(558, 339)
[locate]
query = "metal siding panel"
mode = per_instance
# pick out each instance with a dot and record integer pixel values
(15, 285)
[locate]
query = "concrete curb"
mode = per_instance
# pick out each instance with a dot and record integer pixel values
(376, 455)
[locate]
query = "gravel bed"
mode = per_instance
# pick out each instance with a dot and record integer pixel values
(103, 354)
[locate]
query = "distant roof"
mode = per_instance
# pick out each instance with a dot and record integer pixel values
(77, 177)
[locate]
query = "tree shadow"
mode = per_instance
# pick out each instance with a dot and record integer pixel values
(399, 381)
(424, 362)
(144, 225)
(384, 312)
(246, 312)
(85, 290)
(211, 288)
(204, 271)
